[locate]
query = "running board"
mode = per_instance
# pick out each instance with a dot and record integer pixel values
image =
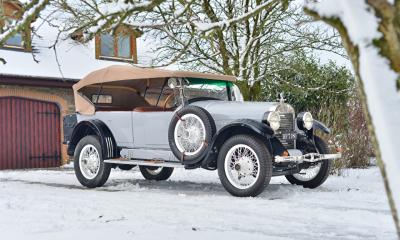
(155, 163)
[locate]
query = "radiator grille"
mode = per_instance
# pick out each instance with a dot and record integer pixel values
(287, 126)
(286, 122)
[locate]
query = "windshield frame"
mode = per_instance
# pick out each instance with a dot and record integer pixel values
(228, 86)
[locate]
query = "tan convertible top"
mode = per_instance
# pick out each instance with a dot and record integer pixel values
(125, 72)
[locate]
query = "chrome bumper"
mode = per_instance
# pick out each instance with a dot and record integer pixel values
(309, 157)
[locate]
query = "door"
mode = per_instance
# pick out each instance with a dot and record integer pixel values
(150, 129)
(29, 134)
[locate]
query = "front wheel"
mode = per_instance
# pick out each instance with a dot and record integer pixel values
(244, 166)
(156, 173)
(89, 166)
(315, 174)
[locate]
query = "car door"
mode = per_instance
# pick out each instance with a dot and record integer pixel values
(150, 129)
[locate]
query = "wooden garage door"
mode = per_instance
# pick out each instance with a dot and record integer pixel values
(29, 134)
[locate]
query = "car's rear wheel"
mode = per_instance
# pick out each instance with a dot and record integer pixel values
(315, 174)
(89, 166)
(126, 167)
(244, 166)
(156, 173)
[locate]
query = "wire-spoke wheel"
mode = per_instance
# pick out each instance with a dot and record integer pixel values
(190, 131)
(308, 174)
(156, 173)
(89, 161)
(314, 175)
(244, 166)
(89, 167)
(190, 134)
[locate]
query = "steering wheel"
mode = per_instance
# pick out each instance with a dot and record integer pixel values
(196, 99)
(167, 99)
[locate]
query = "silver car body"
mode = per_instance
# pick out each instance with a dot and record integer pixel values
(144, 135)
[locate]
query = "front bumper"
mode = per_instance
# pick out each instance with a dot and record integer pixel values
(309, 157)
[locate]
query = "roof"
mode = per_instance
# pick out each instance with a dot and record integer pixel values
(75, 59)
(123, 72)
(118, 73)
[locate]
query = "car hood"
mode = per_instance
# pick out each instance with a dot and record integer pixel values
(224, 112)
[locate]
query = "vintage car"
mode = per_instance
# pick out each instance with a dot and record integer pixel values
(159, 120)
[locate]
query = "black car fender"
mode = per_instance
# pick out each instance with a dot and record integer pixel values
(317, 125)
(241, 126)
(98, 128)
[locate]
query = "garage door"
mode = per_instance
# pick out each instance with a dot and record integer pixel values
(29, 134)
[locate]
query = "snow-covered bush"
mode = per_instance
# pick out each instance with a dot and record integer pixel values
(355, 142)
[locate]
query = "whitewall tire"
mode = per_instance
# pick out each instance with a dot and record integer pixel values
(244, 166)
(90, 169)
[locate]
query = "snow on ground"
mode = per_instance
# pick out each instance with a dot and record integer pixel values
(51, 204)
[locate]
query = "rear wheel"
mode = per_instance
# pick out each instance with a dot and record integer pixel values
(317, 173)
(156, 173)
(89, 166)
(126, 167)
(244, 166)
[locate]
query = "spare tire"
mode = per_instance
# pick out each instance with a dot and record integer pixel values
(190, 131)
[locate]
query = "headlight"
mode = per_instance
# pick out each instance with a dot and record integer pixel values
(273, 119)
(305, 121)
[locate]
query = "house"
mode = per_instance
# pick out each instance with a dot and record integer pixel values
(35, 87)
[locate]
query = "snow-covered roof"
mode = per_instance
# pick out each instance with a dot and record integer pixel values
(75, 59)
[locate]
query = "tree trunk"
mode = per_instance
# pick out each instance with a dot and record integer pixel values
(353, 52)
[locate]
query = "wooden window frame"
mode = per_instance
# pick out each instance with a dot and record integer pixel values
(133, 48)
(12, 10)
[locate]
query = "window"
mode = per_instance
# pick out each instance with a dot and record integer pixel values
(105, 99)
(159, 94)
(121, 46)
(203, 88)
(15, 41)
(20, 40)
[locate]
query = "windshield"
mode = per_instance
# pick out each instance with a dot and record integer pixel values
(204, 88)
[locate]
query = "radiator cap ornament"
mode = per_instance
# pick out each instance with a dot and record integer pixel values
(282, 97)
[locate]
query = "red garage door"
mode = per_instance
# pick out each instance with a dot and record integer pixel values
(29, 134)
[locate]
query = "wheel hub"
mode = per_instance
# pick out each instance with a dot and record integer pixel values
(245, 165)
(192, 134)
(92, 162)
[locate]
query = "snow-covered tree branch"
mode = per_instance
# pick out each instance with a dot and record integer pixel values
(29, 12)
(370, 30)
(250, 49)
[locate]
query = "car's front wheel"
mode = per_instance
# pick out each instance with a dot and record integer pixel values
(244, 166)
(156, 173)
(89, 166)
(315, 174)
